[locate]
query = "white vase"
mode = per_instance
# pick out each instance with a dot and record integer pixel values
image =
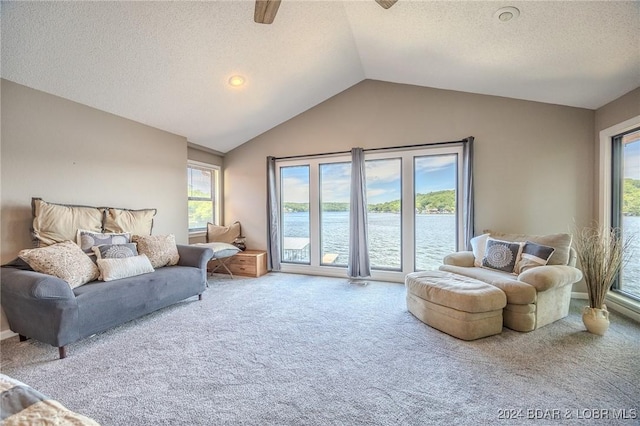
(596, 320)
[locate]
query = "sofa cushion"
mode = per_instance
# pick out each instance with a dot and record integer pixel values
(138, 222)
(517, 292)
(533, 255)
(560, 242)
(160, 249)
(55, 223)
(501, 255)
(64, 260)
(115, 251)
(117, 268)
(88, 239)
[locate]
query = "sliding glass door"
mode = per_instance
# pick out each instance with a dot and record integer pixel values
(294, 203)
(412, 210)
(334, 213)
(626, 206)
(384, 212)
(435, 183)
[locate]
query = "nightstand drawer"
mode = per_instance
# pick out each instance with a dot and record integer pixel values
(248, 263)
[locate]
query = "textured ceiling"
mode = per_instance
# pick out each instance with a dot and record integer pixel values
(166, 64)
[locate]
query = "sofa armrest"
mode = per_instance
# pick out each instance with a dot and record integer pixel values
(40, 306)
(550, 276)
(196, 256)
(460, 258)
(33, 285)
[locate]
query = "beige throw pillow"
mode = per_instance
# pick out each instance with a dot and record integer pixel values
(160, 249)
(139, 222)
(64, 260)
(223, 234)
(54, 223)
(117, 268)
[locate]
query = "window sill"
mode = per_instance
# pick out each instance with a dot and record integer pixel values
(625, 305)
(198, 234)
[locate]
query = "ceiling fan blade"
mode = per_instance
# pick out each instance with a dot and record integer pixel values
(265, 11)
(386, 3)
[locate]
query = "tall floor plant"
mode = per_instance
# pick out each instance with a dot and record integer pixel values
(602, 251)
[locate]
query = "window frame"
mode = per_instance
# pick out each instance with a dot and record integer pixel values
(617, 300)
(215, 194)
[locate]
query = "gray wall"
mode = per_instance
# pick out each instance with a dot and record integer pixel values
(534, 162)
(65, 152)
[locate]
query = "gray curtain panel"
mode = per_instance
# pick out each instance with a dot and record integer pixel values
(358, 245)
(273, 216)
(467, 155)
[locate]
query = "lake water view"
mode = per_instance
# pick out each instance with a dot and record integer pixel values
(434, 240)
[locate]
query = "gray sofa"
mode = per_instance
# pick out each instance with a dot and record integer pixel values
(45, 308)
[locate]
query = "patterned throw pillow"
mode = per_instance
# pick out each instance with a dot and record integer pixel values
(64, 260)
(160, 249)
(117, 268)
(115, 251)
(501, 255)
(533, 255)
(88, 239)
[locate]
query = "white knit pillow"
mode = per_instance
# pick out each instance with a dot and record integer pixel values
(116, 268)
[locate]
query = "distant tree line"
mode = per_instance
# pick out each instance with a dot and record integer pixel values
(432, 202)
(631, 197)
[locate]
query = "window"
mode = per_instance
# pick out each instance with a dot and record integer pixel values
(412, 210)
(625, 205)
(203, 195)
(294, 196)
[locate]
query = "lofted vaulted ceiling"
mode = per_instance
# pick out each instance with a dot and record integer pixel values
(167, 64)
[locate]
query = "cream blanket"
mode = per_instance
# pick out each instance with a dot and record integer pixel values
(22, 405)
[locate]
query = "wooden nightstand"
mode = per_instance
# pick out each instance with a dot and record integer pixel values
(248, 263)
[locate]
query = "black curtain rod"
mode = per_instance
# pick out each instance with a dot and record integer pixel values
(290, 157)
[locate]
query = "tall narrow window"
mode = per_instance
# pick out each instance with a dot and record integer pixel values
(435, 183)
(626, 205)
(202, 191)
(294, 197)
(334, 213)
(384, 205)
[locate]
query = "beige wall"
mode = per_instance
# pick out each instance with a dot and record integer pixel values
(617, 111)
(533, 161)
(65, 152)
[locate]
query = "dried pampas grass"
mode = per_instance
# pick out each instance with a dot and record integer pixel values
(601, 251)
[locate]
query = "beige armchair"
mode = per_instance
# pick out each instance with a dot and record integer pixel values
(536, 295)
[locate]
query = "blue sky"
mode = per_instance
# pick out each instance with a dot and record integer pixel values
(433, 173)
(632, 159)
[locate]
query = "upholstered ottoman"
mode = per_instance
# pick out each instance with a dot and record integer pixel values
(457, 305)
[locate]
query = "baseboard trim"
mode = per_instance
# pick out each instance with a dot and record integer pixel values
(5, 334)
(614, 303)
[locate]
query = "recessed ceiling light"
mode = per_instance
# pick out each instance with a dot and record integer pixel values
(236, 80)
(505, 14)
